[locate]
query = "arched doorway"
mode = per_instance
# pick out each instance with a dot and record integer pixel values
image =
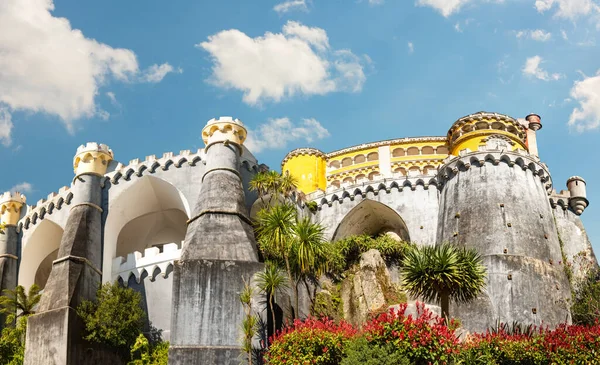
(372, 218)
(38, 253)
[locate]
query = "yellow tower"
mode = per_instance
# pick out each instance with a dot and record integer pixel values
(10, 208)
(472, 131)
(225, 129)
(308, 166)
(92, 158)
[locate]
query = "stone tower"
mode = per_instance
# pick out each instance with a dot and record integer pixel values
(10, 212)
(218, 254)
(54, 334)
(494, 198)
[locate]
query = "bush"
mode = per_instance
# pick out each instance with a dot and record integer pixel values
(12, 341)
(115, 318)
(318, 342)
(349, 249)
(143, 354)
(422, 339)
(586, 299)
(360, 352)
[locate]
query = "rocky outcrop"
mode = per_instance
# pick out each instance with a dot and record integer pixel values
(368, 289)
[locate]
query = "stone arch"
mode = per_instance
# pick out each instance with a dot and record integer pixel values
(414, 171)
(373, 156)
(442, 150)
(429, 170)
(348, 180)
(374, 175)
(335, 164)
(40, 249)
(360, 159)
(361, 178)
(335, 183)
(427, 150)
(413, 151)
(372, 218)
(401, 171)
(346, 162)
(150, 212)
(398, 152)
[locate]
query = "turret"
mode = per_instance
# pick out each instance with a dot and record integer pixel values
(308, 166)
(10, 212)
(10, 207)
(218, 254)
(472, 131)
(578, 200)
(76, 273)
(92, 158)
(534, 124)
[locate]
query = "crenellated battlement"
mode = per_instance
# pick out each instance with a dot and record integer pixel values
(137, 263)
(55, 200)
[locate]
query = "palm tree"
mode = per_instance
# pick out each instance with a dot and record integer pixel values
(259, 184)
(288, 184)
(442, 273)
(269, 282)
(274, 231)
(17, 303)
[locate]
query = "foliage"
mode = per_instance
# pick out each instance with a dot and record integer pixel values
(443, 272)
(18, 303)
(319, 342)
(270, 281)
(250, 321)
(144, 354)
(12, 341)
(360, 352)
(328, 303)
(586, 299)
(349, 249)
(115, 318)
(312, 206)
(422, 339)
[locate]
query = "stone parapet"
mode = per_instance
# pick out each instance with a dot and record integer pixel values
(137, 263)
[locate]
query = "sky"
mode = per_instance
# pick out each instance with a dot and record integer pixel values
(145, 76)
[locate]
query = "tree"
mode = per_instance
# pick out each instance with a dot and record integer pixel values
(18, 303)
(115, 318)
(270, 281)
(442, 273)
(586, 299)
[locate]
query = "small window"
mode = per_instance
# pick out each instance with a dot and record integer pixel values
(346, 162)
(373, 156)
(427, 150)
(398, 152)
(359, 159)
(334, 164)
(413, 151)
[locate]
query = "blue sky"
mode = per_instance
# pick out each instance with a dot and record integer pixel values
(145, 76)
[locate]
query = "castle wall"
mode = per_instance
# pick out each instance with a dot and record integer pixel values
(416, 205)
(497, 203)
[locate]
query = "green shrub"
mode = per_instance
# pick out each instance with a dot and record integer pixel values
(347, 251)
(143, 354)
(115, 318)
(12, 341)
(360, 352)
(586, 299)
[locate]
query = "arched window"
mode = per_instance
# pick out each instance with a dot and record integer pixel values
(429, 170)
(334, 164)
(346, 162)
(373, 156)
(442, 150)
(499, 126)
(412, 151)
(414, 171)
(348, 180)
(482, 125)
(359, 159)
(398, 152)
(427, 150)
(373, 175)
(361, 178)
(335, 183)
(401, 171)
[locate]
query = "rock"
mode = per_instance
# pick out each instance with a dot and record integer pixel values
(368, 289)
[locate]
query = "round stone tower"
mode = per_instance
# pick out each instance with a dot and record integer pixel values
(308, 166)
(494, 198)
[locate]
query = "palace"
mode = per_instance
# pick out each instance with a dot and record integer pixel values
(178, 229)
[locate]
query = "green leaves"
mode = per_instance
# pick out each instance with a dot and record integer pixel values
(115, 318)
(435, 272)
(18, 303)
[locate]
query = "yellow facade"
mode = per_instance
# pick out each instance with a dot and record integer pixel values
(473, 140)
(308, 168)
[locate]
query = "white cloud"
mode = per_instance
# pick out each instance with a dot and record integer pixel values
(587, 93)
(376, 2)
(537, 35)
(411, 47)
(569, 9)
(278, 132)
(297, 61)
(156, 73)
(47, 66)
(113, 98)
(532, 68)
(445, 7)
(458, 28)
(6, 126)
(564, 35)
(291, 5)
(23, 187)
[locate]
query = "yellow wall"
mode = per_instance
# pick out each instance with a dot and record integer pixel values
(474, 139)
(309, 170)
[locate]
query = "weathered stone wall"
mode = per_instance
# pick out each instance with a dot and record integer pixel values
(497, 203)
